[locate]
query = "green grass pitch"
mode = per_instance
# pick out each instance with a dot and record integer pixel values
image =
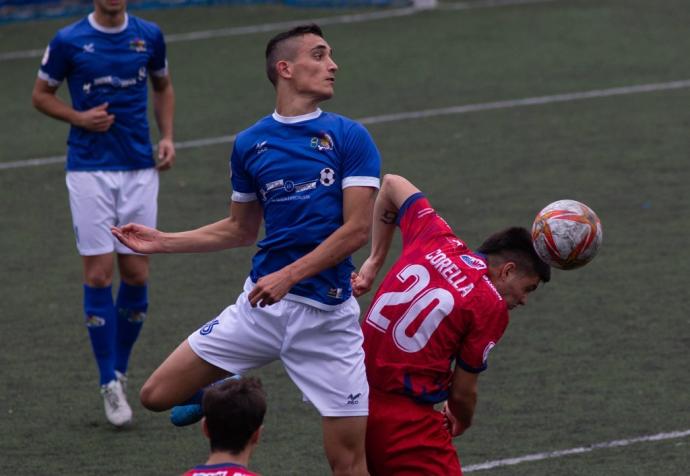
(599, 354)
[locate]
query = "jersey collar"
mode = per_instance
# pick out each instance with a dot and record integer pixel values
(296, 119)
(105, 29)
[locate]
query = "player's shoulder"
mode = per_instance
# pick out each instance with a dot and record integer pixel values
(259, 130)
(338, 121)
(73, 29)
(147, 27)
(487, 299)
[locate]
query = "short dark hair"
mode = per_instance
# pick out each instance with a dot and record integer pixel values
(234, 410)
(515, 244)
(273, 51)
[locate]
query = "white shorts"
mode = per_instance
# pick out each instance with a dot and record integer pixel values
(102, 199)
(320, 350)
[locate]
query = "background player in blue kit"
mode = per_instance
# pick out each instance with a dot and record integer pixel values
(111, 173)
(312, 177)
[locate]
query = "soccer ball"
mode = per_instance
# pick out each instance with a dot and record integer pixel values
(566, 234)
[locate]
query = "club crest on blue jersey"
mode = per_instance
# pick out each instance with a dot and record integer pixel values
(324, 142)
(138, 45)
(473, 262)
(208, 328)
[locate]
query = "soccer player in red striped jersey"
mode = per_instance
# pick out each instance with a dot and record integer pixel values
(432, 323)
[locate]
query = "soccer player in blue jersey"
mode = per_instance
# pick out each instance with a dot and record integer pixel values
(312, 177)
(112, 176)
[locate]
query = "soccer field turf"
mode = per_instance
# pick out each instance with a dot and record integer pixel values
(599, 355)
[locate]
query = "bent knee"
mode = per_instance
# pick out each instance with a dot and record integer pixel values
(152, 398)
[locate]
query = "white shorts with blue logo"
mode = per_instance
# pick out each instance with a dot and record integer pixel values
(320, 350)
(101, 199)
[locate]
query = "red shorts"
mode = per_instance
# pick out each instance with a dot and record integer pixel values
(405, 438)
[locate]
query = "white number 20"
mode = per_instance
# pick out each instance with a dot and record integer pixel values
(420, 297)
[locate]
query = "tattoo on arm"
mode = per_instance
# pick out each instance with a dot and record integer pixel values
(389, 216)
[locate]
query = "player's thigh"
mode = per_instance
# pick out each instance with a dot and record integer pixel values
(323, 356)
(93, 205)
(134, 269)
(404, 438)
(137, 200)
(178, 378)
(241, 338)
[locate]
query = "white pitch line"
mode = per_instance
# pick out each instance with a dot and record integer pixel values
(266, 27)
(574, 451)
(403, 116)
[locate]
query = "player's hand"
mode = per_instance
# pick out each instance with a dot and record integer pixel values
(96, 119)
(166, 154)
(270, 289)
(139, 238)
(451, 423)
(363, 281)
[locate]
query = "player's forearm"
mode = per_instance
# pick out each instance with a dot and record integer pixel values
(462, 407)
(217, 236)
(338, 246)
(51, 105)
(164, 110)
(383, 228)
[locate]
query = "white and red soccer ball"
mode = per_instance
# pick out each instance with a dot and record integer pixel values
(566, 234)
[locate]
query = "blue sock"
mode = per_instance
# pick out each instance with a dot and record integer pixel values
(99, 312)
(132, 304)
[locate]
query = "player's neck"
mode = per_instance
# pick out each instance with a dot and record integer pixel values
(108, 19)
(221, 457)
(295, 106)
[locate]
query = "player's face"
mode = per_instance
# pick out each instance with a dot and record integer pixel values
(110, 7)
(514, 286)
(313, 69)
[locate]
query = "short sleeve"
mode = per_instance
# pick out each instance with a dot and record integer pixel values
(362, 161)
(158, 64)
(242, 184)
(486, 330)
(55, 64)
(419, 221)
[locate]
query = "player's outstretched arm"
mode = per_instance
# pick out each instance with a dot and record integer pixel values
(395, 189)
(241, 228)
(459, 409)
(349, 237)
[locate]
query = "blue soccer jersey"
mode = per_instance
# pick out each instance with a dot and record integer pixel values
(298, 167)
(108, 65)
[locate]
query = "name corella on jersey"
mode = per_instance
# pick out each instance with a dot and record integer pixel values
(449, 271)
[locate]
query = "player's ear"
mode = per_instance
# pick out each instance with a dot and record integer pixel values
(284, 69)
(256, 435)
(204, 428)
(508, 269)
